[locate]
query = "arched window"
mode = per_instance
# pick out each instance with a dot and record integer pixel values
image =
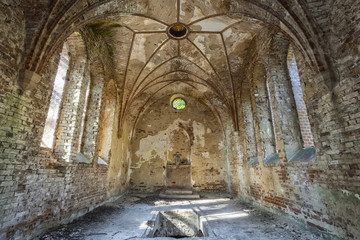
(305, 127)
(56, 98)
(68, 130)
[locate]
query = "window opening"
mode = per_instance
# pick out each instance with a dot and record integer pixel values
(178, 103)
(305, 126)
(56, 98)
(82, 127)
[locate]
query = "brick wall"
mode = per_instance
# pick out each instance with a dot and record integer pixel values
(280, 85)
(323, 193)
(38, 189)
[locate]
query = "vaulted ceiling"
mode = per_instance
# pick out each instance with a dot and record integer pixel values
(151, 62)
(208, 63)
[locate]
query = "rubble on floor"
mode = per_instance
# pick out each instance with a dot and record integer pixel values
(133, 217)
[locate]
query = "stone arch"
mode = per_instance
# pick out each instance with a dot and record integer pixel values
(215, 105)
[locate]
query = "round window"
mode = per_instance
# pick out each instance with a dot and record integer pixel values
(178, 103)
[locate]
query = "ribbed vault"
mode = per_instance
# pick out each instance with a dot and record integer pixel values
(211, 59)
(208, 60)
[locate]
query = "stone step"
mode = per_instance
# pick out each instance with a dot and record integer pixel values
(178, 191)
(179, 196)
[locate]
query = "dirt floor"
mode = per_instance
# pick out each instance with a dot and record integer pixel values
(132, 217)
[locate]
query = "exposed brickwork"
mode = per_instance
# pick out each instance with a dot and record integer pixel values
(40, 187)
(91, 128)
(279, 78)
(320, 193)
(37, 189)
(304, 123)
(68, 130)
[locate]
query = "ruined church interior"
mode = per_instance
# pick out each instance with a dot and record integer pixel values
(164, 119)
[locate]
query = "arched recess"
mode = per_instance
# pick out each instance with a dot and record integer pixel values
(248, 118)
(262, 109)
(196, 125)
(194, 89)
(283, 101)
(91, 114)
(178, 165)
(179, 146)
(107, 124)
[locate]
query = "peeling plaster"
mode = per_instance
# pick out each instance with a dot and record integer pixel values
(206, 154)
(357, 196)
(214, 24)
(152, 146)
(139, 51)
(199, 131)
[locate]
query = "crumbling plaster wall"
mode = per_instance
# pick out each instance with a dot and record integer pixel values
(152, 146)
(118, 176)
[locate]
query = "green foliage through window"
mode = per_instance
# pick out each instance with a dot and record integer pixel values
(178, 103)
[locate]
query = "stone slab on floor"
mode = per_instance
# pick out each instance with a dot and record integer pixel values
(133, 216)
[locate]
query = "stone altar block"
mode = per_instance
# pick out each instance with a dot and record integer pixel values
(178, 177)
